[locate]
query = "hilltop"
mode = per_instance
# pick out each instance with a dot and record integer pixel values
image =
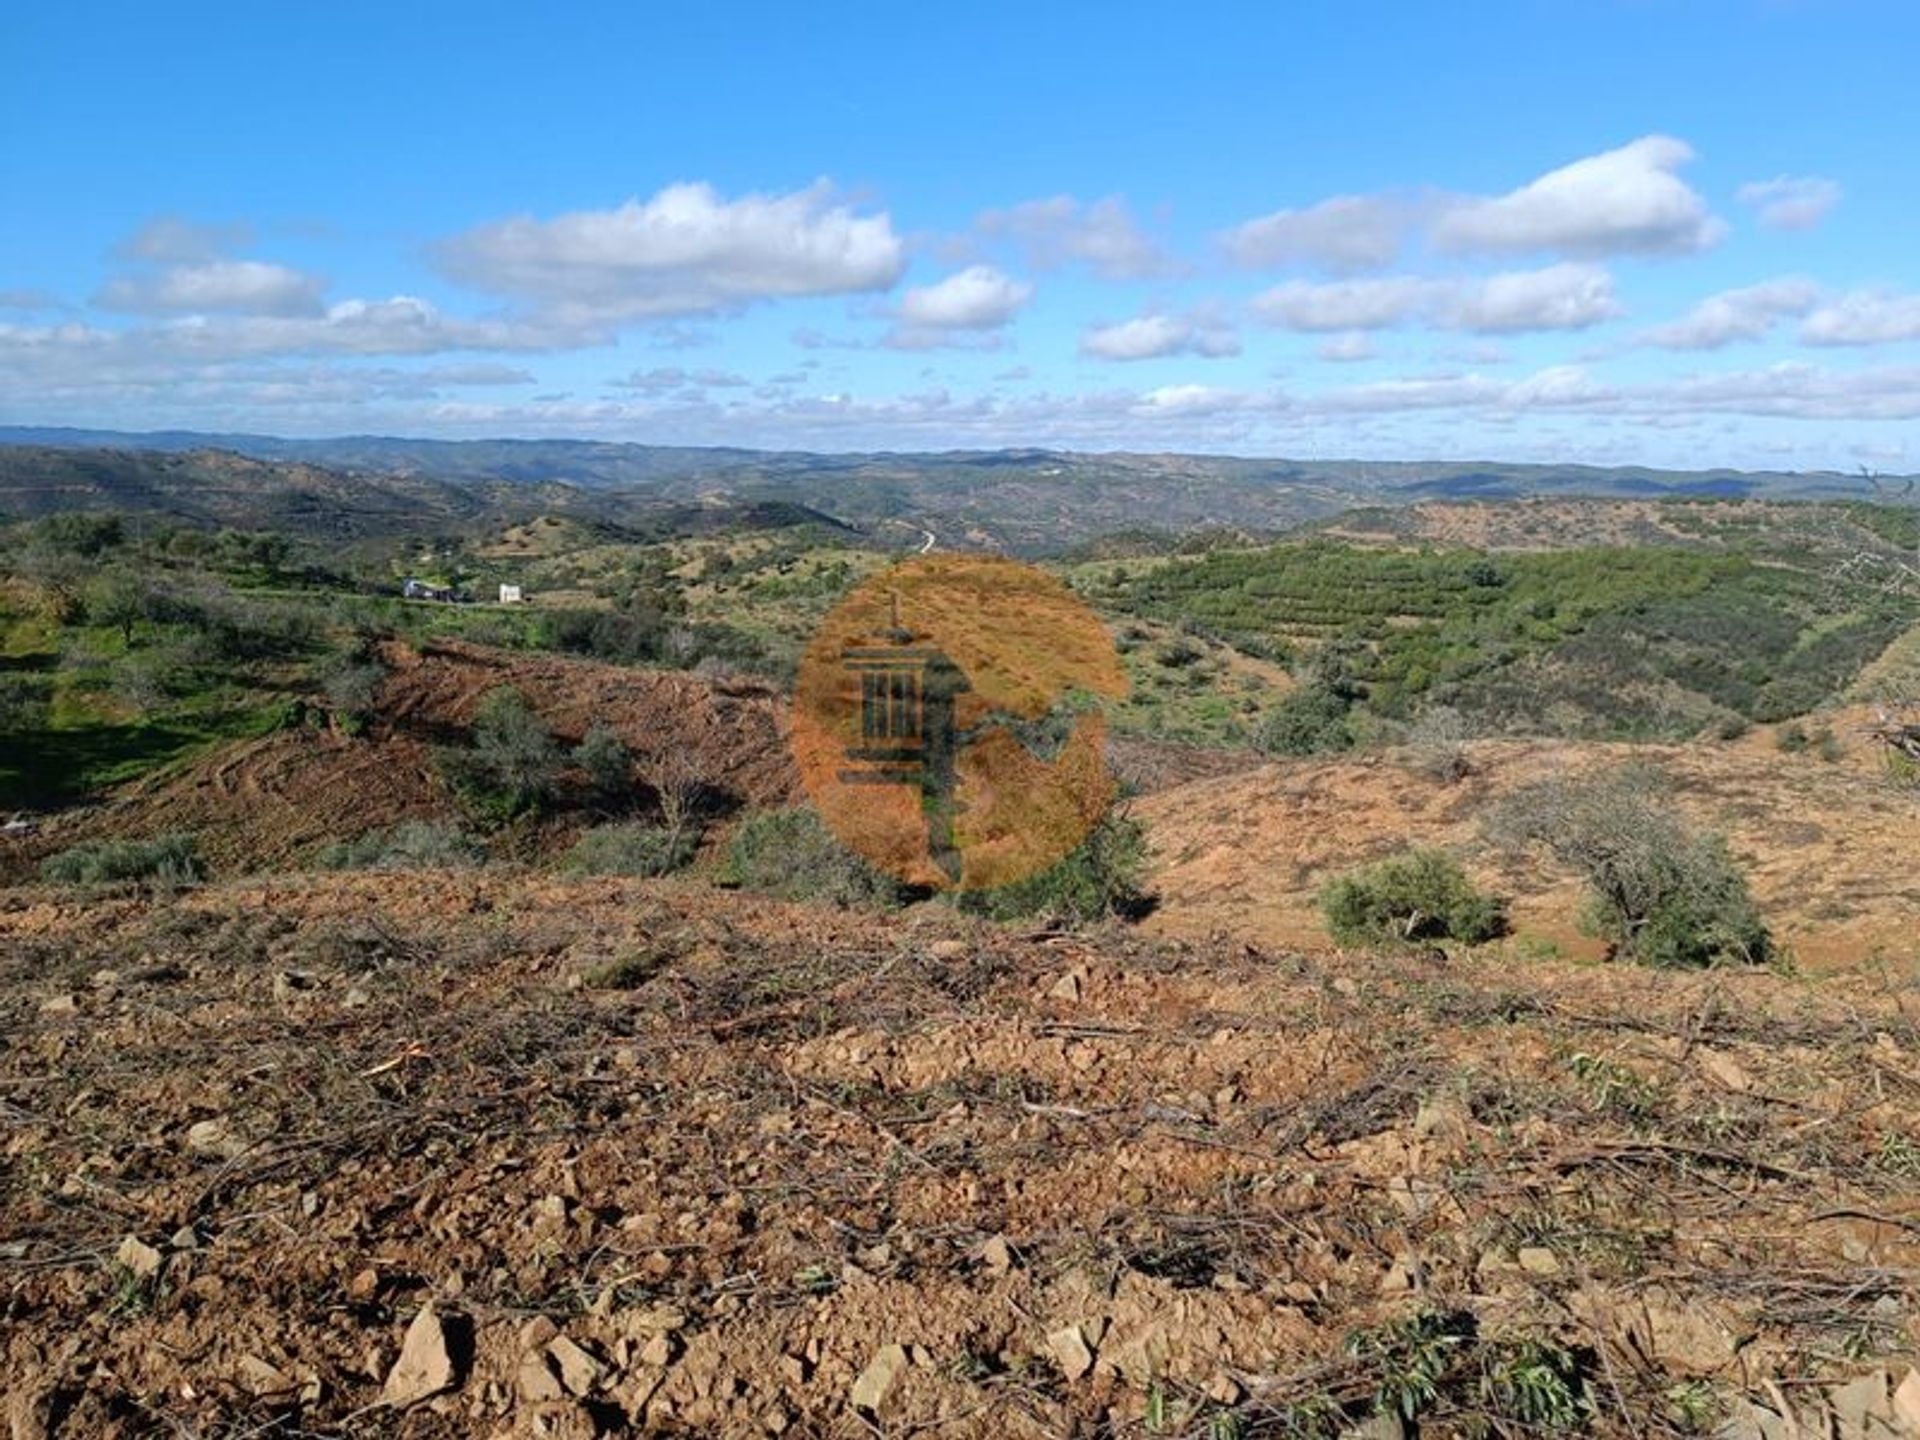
(1023, 501)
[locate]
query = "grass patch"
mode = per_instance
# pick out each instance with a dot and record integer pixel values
(166, 860)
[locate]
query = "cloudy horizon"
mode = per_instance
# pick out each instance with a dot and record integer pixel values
(1664, 268)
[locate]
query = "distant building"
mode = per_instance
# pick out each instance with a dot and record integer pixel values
(510, 595)
(421, 590)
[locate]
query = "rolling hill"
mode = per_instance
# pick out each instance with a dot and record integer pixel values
(1025, 501)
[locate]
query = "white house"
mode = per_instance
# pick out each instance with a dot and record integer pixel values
(510, 595)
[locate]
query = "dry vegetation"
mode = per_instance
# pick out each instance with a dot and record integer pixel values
(693, 1163)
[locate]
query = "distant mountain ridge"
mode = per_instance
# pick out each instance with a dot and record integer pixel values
(1022, 500)
(211, 489)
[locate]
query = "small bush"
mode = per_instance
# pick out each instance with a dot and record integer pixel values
(1657, 892)
(1311, 721)
(634, 849)
(1421, 895)
(1180, 652)
(166, 860)
(1103, 877)
(352, 686)
(607, 762)
(1437, 744)
(23, 703)
(1791, 738)
(1732, 727)
(791, 854)
(410, 845)
(511, 768)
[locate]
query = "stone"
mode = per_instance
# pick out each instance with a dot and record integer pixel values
(1724, 1069)
(1069, 985)
(1538, 1260)
(538, 1333)
(215, 1138)
(1223, 1389)
(579, 1371)
(1405, 1275)
(1906, 1403)
(60, 1005)
(876, 1382)
(425, 1366)
(185, 1238)
(262, 1379)
(1854, 1403)
(535, 1381)
(1140, 1357)
(948, 949)
(997, 1255)
(139, 1258)
(1070, 1351)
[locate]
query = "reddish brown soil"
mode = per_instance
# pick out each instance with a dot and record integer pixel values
(705, 1204)
(271, 802)
(1828, 845)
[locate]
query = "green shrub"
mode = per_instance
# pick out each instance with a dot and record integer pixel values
(1691, 909)
(167, 860)
(23, 703)
(791, 854)
(352, 685)
(1102, 877)
(511, 767)
(410, 845)
(632, 849)
(607, 762)
(81, 533)
(1313, 720)
(1792, 738)
(1658, 892)
(1421, 895)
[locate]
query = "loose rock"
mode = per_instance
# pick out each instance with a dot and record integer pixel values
(425, 1366)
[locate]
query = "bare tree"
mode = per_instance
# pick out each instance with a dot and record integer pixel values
(681, 785)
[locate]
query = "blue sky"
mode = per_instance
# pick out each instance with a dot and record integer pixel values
(1668, 231)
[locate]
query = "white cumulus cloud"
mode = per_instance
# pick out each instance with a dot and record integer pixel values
(239, 287)
(685, 251)
(1151, 337)
(1620, 202)
(1343, 304)
(1347, 232)
(1747, 313)
(1864, 317)
(961, 310)
(1559, 297)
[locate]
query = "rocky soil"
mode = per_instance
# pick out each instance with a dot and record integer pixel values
(487, 1154)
